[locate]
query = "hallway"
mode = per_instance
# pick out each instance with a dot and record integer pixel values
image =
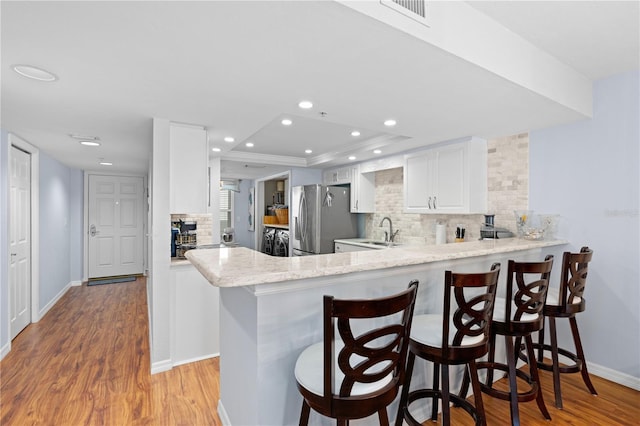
(88, 364)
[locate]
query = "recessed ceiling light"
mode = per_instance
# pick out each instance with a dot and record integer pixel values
(286, 122)
(390, 123)
(229, 139)
(377, 151)
(355, 133)
(83, 137)
(308, 151)
(352, 157)
(90, 143)
(305, 104)
(216, 149)
(106, 163)
(249, 144)
(34, 73)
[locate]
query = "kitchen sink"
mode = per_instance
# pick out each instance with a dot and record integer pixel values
(381, 243)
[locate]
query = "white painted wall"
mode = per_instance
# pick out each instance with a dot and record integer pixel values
(588, 173)
(159, 250)
(4, 243)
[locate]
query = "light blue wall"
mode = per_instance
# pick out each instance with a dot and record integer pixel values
(588, 173)
(244, 237)
(59, 227)
(4, 239)
(305, 177)
(76, 220)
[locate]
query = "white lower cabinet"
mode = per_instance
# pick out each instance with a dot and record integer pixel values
(450, 178)
(345, 248)
(195, 333)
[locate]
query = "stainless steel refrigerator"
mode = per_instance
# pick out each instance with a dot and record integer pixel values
(320, 214)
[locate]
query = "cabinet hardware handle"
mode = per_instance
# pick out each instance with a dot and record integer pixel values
(434, 202)
(429, 203)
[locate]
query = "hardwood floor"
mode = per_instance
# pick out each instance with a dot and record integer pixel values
(87, 363)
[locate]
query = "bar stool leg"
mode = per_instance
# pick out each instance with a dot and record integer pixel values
(436, 385)
(580, 354)
(555, 362)
(446, 417)
(491, 359)
(533, 372)
(404, 397)
(477, 393)
(541, 342)
(384, 419)
(304, 414)
(513, 386)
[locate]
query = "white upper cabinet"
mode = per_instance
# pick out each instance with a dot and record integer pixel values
(363, 191)
(337, 176)
(188, 180)
(449, 178)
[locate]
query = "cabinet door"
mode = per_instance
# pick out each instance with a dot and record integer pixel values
(345, 248)
(417, 183)
(188, 180)
(450, 179)
(363, 189)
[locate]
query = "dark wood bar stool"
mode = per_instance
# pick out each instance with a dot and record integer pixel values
(566, 302)
(459, 335)
(355, 375)
(517, 317)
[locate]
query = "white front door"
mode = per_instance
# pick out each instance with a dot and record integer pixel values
(115, 226)
(20, 240)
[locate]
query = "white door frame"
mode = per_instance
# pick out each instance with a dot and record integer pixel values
(259, 204)
(85, 227)
(34, 152)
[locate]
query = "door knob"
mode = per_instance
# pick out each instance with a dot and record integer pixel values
(92, 231)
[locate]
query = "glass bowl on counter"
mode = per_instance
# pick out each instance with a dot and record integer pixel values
(532, 226)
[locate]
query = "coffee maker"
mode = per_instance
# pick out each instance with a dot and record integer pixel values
(488, 231)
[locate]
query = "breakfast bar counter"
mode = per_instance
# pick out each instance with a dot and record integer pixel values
(271, 309)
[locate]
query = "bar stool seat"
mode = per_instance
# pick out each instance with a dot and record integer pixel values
(309, 376)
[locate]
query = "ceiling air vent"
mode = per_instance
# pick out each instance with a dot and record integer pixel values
(414, 9)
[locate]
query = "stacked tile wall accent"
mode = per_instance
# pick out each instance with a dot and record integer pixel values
(204, 229)
(508, 190)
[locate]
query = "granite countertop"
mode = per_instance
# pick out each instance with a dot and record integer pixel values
(240, 266)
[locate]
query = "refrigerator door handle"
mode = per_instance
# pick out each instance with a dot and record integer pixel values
(302, 225)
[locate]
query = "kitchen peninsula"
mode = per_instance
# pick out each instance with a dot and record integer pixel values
(271, 309)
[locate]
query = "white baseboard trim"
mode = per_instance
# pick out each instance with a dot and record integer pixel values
(614, 376)
(75, 283)
(52, 302)
(160, 366)
(5, 350)
(222, 413)
(200, 358)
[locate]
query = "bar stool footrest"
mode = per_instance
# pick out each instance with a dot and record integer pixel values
(525, 396)
(430, 393)
(572, 368)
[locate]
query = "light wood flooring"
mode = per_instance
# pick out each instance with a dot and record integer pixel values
(87, 363)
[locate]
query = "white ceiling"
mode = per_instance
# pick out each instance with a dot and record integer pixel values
(238, 68)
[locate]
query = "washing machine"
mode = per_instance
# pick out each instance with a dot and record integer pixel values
(268, 240)
(281, 245)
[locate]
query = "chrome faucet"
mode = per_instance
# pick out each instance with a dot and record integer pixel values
(390, 236)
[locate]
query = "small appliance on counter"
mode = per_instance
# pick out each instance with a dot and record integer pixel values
(228, 235)
(488, 231)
